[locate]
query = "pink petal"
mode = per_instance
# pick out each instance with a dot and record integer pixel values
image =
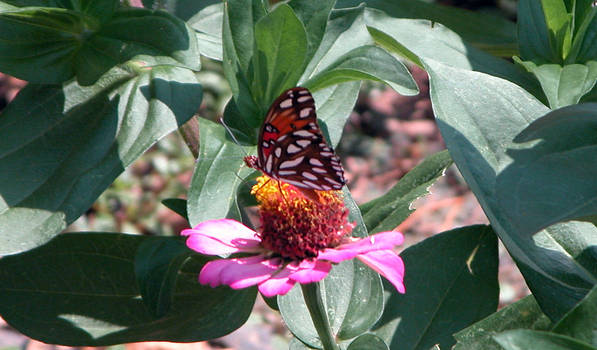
(388, 264)
(380, 241)
(219, 237)
(250, 273)
(310, 271)
(279, 284)
(212, 272)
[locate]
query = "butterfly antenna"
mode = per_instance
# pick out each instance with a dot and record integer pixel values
(232, 135)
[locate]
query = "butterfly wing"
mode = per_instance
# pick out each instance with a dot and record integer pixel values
(292, 148)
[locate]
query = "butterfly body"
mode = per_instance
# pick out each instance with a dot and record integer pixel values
(292, 148)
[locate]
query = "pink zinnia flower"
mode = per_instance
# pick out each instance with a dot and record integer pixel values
(299, 241)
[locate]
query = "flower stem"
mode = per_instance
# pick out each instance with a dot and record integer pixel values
(314, 302)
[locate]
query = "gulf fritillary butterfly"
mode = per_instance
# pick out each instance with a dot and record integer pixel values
(292, 149)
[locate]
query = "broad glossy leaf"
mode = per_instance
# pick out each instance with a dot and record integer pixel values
(366, 62)
(81, 290)
(581, 322)
(551, 178)
(62, 146)
(420, 39)
(157, 262)
(479, 116)
(524, 313)
(388, 211)
(353, 297)
(451, 282)
(524, 339)
(565, 85)
(207, 24)
(218, 173)
(368, 342)
(279, 55)
(65, 43)
(491, 33)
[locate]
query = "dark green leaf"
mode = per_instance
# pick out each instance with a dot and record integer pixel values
(81, 290)
(491, 33)
(368, 342)
(279, 55)
(581, 322)
(157, 262)
(583, 48)
(65, 43)
(524, 313)
(183, 9)
(478, 116)
(451, 282)
(102, 9)
(207, 24)
(535, 41)
(524, 339)
(565, 85)
(418, 40)
(366, 62)
(177, 205)
(218, 173)
(552, 176)
(388, 211)
(62, 146)
(344, 290)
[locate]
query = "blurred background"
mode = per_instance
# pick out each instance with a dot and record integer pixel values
(386, 135)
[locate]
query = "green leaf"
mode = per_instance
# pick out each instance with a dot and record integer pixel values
(238, 42)
(451, 282)
(523, 339)
(157, 262)
(65, 43)
(177, 205)
(103, 10)
(79, 140)
(565, 85)
(314, 16)
(559, 24)
(366, 62)
(388, 211)
(479, 116)
(583, 48)
(524, 313)
(344, 289)
(345, 31)
(279, 54)
(368, 342)
(334, 105)
(207, 24)
(218, 173)
(81, 290)
(183, 9)
(491, 33)
(535, 41)
(581, 322)
(549, 180)
(419, 40)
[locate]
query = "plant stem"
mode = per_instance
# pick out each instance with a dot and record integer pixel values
(190, 134)
(314, 302)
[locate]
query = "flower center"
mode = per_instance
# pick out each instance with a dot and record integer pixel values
(297, 227)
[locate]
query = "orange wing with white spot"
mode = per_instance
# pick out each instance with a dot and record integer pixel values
(291, 147)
